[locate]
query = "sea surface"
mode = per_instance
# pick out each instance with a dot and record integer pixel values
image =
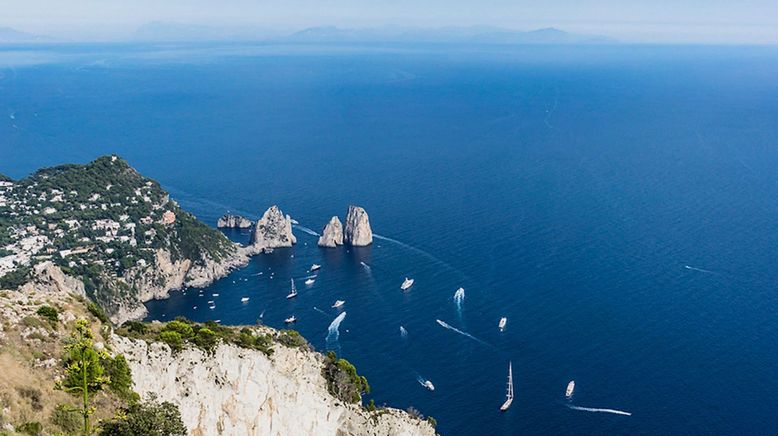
(618, 204)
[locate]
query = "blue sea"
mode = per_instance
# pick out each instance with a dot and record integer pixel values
(618, 204)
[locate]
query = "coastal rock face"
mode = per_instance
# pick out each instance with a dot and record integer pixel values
(230, 221)
(243, 392)
(358, 232)
(273, 230)
(332, 235)
(49, 278)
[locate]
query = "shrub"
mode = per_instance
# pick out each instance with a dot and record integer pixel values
(31, 321)
(33, 428)
(98, 312)
(342, 379)
(135, 327)
(206, 338)
(291, 338)
(15, 278)
(173, 339)
(66, 419)
(49, 313)
(182, 328)
(147, 418)
(433, 422)
(35, 396)
(121, 377)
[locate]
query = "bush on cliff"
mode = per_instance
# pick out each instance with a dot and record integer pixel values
(147, 418)
(342, 379)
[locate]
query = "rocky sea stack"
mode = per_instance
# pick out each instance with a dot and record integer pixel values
(332, 235)
(358, 232)
(230, 221)
(273, 230)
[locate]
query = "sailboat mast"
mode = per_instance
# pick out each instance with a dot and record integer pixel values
(510, 380)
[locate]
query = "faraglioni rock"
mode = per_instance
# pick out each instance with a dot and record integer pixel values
(230, 221)
(332, 235)
(358, 232)
(273, 230)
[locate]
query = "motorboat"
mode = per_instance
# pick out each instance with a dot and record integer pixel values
(502, 323)
(292, 319)
(428, 384)
(315, 266)
(310, 281)
(244, 299)
(406, 284)
(570, 389)
(338, 303)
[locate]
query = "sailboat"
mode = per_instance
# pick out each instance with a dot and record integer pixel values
(294, 291)
(509, 394)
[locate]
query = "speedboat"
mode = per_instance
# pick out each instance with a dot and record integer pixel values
(291, 319)
(570, 389)
(406, 284)
(428, 384)
(244, 299)
(502, 323)
(309, 282)
(294, 291)
(338, 303)
(214, 295)
(315, 266)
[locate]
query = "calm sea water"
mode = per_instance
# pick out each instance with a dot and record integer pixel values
(619, 205)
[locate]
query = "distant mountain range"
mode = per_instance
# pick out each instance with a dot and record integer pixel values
(8, 34)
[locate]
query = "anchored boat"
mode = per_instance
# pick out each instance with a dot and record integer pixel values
(570, 389)
(291, 319)
(338, 303)
(294, 291)
(406, 284)
(502, 323)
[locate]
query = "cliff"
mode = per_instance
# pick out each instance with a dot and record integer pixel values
(244, 392)
(230, 221)
(332, 235)
(273, 230)
(358, 232)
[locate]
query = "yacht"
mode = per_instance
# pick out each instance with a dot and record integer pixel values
(338, 303)
(406, 284)
(502, 323)
(310, 281)
(214, 295)
(244, 299)
(315, 266)
(291, 319)
(428, 384)
(294, 291)
(570, 389)
(509, 393)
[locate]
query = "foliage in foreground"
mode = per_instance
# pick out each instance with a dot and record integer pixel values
(147, 418)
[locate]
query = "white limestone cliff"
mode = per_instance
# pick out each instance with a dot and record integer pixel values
(332, 235)
(233, 222)
(358, 232)
(273, 230)
(238, 391)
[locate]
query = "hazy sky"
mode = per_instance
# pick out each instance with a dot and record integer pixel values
(632, 20)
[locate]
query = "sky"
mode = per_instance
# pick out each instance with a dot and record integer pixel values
(684, 21)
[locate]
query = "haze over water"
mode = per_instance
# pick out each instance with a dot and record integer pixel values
(617, 204)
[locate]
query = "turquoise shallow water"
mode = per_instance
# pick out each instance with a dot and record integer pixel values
(566, 188)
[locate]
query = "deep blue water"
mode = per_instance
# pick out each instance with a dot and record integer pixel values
(566, 188)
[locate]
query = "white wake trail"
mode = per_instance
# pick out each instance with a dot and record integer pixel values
(305, 229)
(706, 271)
(596, 410)
(403, 332)
(454, 329)
(333, 332)
(459, 297)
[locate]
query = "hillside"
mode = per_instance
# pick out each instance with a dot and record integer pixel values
(112, 228)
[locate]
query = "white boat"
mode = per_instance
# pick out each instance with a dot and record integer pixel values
(509, 393)
(309, 282)
(212, 307)
(294, 291)
(502, 323)
(214, 295)
(315, 266)
(244, 299)
(291, 319)
(406, 284)
(428, 384)
(570, 389)
(338, 303)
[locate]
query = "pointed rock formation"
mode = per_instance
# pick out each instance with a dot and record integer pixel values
(273, 230)
(332, 235)
(358, 232)
(230, 221)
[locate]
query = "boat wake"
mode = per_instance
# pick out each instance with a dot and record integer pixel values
(319, 310)
(367, 267)
(333, 331)
(422, 252)
(424, 382)
(305, 229)
(596, 410)
(706, 271)
(459, 297)
(403, 332)
(454, 329)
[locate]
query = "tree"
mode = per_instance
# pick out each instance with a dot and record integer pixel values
(149, 418)
(121, 377)
(84, 372)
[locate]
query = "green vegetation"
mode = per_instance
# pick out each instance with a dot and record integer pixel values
(84, 371)
(49, 313)
(291, 338)
(206, 336)
(66, 419)
(98, 313)
(342, 379)
(15, 278)
(33, 428)
(120, 377)
(148, 418)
